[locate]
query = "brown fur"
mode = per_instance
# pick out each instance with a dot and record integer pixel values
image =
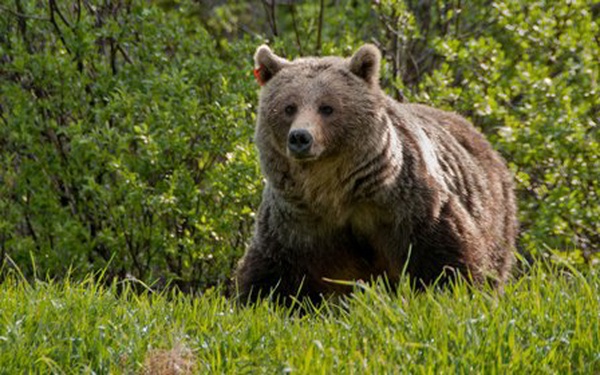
(383, 185)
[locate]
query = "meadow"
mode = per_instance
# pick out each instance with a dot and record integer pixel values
(546, 321)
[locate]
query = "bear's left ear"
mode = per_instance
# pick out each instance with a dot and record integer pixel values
(365, 63)
(267, 64)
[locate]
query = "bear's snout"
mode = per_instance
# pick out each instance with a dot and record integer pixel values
(299, 143)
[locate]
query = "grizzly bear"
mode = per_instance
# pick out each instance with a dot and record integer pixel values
(359, 185)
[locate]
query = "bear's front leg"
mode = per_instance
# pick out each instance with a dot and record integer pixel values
(261, 276)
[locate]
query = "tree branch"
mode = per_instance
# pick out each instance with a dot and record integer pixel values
(271, 15)
(320, 28)
(294, 23)
(62, 17)
(124, 53)
(56, 27)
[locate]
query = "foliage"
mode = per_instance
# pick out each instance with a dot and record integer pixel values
(546, 322)
(528, 75)
(125, 139)
(125, 126)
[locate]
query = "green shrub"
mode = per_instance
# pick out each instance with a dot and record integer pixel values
(125, 127)
(527, 74)
(126, 139)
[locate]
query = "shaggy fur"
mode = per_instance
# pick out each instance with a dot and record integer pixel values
(383, 186)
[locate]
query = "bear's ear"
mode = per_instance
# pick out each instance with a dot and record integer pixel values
(267, 64)
(365, 63)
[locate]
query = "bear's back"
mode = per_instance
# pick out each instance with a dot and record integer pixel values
(479, 186)
(464, 155)
(443, 122)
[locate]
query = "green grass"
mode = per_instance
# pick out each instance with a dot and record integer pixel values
(545, 322)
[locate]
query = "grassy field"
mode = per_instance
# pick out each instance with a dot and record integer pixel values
(545, 322)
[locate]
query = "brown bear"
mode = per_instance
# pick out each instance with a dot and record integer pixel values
(359, 185)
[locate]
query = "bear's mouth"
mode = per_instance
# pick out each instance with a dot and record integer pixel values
(303, 155)
(303, 158)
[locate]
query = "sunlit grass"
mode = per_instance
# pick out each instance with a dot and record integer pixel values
(546, 321)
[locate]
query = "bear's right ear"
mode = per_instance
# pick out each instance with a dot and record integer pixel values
(267, 64)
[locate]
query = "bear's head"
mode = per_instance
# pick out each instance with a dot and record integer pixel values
(318, 108)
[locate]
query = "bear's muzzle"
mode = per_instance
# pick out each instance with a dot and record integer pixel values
(299, 143)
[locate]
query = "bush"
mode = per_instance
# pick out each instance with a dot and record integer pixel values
(528, 75)
(125, 140)
(125, 127)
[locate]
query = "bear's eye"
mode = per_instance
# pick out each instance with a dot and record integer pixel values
(326, 110)
(290, 109)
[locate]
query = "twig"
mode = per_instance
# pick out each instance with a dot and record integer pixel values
(62, 17)
(293, 10)
(113, 56)
(124, 53)
(56, 27)
(395, 49)
(273, 3)
(28, 221)
(457, 14)
(271, 15)
(22, 22)
(4, 120)
(321, 12)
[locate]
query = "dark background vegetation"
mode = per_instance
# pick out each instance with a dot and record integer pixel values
(126, 126)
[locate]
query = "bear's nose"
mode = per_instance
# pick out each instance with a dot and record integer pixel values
(299, 142)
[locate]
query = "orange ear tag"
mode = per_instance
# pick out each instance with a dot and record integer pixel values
(258, 77)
